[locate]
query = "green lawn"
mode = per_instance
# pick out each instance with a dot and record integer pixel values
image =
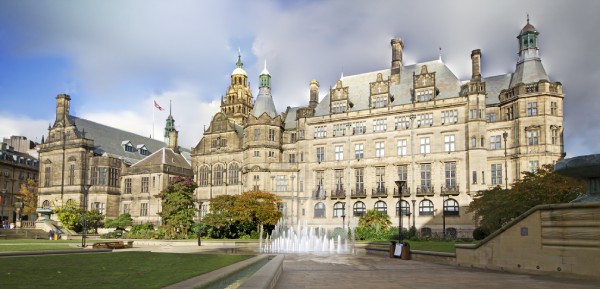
(108, 270)
(434, 246)
(34, 247)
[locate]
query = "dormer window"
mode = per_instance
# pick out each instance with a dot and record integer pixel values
(127, 146)
(424, 85)
(143, 150)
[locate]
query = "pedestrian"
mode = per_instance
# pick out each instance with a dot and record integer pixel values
(50, 234)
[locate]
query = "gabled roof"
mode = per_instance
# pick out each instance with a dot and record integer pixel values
(165, 156)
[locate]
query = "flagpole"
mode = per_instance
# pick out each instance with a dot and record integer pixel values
(153, 109)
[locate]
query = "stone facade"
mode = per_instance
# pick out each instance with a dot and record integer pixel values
(15, 169)
(443, 138)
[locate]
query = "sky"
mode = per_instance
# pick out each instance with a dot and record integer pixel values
(115, 58)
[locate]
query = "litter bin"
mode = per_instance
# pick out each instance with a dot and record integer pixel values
(405, 252)
(392, 248)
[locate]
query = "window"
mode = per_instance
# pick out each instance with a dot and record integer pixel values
(233, 174)
(271, 135)
(554, 134)
(379, 125)
(338, 107)
(403, 173)
(425, 177)
(339, 182)
(533, 166)
(320, 154)
(509, 113)
(474, 177)
(256, 154)
(449, 116)
(143, 209)
(98, 206)
(113, 177)
(338, 210)
(473, 142)
(256, 185)
(127, 189)
(425, 119)
(491, 117)
(380, 179)
(496, 174)
(320, 131)
(271, 154)
(144, 152)
(203, 176)
(496, 142)
(301, 134)
(380, 101)
(46, 204)
(473, 113)
(359, 209)
(425, 95)
(379, 149)
(451, 207)
(359, 127)
(402, 147)
(339, 129)
(145, 183)
(553, 108)
(320, 175)
(450, 172)
(128, 148)
(218, 175)
(293, 137)
(126, 208)
(426, 208)
(360, 181)
(425, 145)
(381, 206)
(101, 176)
(405, 208)
(449, 144)
(292, 158)
(47, 175)
(532, 137)
(401, 122)
(320, 210)
(71, 174)
(339, 153)
(359, 151)
(257, 134)
(282, 183)
(532, 109)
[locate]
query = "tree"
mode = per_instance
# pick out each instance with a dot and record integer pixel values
(122, 221)
(93, 219)
(495, 207)
(375, 219)
(30, 197)
(178, 208)
(70, 215)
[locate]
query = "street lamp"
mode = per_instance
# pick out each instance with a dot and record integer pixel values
(343, 217)
(86, 189)
(505, 136)
(443, 214)
(399, 185)
(2, 208)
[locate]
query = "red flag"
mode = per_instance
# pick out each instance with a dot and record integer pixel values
(157, 106)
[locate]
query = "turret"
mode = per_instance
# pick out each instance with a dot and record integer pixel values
(314, 94)
(476, 65)
(397, 49)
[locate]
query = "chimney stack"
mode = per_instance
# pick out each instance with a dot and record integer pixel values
(397, 48)
(314, 94)
(476, 65)
(173, 141)
(62, 108)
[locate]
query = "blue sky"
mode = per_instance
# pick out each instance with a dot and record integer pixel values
(116, 57)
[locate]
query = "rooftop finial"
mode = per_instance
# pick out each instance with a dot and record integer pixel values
(169, 107)
(239, 63)
(527, 17)
(440, 53)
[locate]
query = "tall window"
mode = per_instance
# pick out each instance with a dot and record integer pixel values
(143, 209)
(98, 206)
(553, 108)
(449, 144)
(127, 189)
(282, 183)
(380, 179)
(532, 109)
(102, 176)
(496, 142)
(402, 172)
(359, 151)
(402, 147)
(113, 177)
(320, 131)
(233, 174)
(425, 145)
(339, 181)
(381, 206)
(473, 142)
(203, 176)
(450, 170)
(319, 178)
(359, 209)
(473, 114)
(256, 185)
(338, 209)
(47, 175)
(474, 177)
(496, 174)
(379, 125)
(532, 137)
(271, 134)
(380, 149)
(145, 183)
(359, 179)
(292, 158)
(339, 152)
(127, 208)
(533, 166)
(257, 134)
(554, 133)
(320, 154)
(320, 210)
(71, 174)
(405, 208)
(218, 175)
(425, 177)
(426, 208)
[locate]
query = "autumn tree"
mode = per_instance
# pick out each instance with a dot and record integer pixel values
(30, 197)
(375, 219)
(70, 216)
(178, 208)
(495, 207)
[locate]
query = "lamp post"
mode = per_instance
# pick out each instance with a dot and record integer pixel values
(86, 189)
(343, 217)
(2, 208)
(505, 136)
(414, 213)
(443, 214)
(399, 185)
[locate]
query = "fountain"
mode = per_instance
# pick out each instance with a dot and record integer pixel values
(306, 239)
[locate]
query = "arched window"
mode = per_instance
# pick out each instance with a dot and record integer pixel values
(233, 173)
(338, 209)
(70, 202)
(46, 204)
(451, 233)
(359, 209)
(425, 208)
(381, 207)
(451, 207)
(218, 175)
(425, 232)
(320, 210)
(203, 175)
(405, 208)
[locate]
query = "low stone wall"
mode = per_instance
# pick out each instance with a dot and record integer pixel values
(433, 257)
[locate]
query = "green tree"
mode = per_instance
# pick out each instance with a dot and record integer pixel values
(70, 215)
(495, 207)
(93, 220)
(30, 197)
(122, 221)
(375, 220)
(178, 208)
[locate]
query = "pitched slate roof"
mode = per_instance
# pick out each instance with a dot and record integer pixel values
(165, 156)
(264, 103)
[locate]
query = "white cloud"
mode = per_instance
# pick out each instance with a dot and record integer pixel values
(33, 129)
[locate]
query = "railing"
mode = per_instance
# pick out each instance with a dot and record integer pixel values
(358, 193)
(338, 193)
(405, 192)
(454, 190)
(425, 191)
(28, 224)
(379, 192)
(319, 193)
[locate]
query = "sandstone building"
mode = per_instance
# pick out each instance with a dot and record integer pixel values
(15, 168)
(441, 137)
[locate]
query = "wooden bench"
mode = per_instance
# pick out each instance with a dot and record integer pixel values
(113, 245)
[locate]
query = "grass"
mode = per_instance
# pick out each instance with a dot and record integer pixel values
(34, 247)
(109, 270)
(433, 246)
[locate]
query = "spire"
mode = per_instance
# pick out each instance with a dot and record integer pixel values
(440, 59)
(239, 63)
(264, 100)
(169, 125)
(265, 78)
(529, 67)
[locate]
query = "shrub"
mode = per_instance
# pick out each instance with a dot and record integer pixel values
(480, 233)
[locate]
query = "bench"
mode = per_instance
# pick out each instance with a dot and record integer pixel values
(113, 245)
(3, 236)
